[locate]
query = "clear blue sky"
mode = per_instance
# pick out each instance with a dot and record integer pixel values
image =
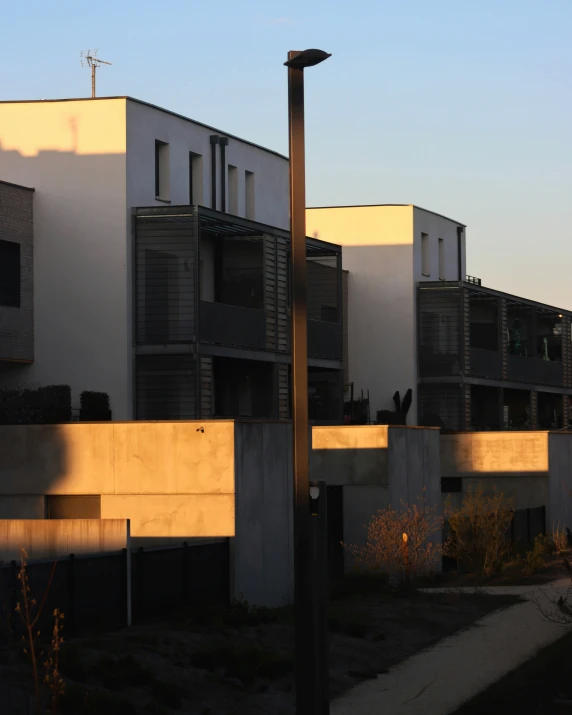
(463, 107)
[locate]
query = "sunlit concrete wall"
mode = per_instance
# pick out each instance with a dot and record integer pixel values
(378, 466)
(514, 463)
(382, 252)
(55, 538)
(90, 161)
(174, 481)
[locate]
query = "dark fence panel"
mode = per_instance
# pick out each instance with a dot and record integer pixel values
(92, 590)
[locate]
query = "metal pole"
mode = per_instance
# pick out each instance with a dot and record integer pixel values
(93, 81)
(319, 585)
(302, 600)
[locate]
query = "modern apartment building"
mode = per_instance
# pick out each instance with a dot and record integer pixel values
(388, 250)
(213, 321)
(91, 161)
(16, 275)
(491, 361)
(475, 358)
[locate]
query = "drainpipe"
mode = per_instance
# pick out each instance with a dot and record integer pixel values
(214, 142)
(223, 141)
(460, 252)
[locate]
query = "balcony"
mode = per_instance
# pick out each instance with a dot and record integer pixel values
(486, 363)
(232, 325)
(325, 339)
(540, 372)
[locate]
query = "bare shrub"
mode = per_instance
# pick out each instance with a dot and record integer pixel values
(478, 529)
(401, 543)
(46, 674)
(559, 538)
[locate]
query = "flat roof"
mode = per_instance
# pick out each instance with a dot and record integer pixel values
(146, 104)
(369, 206)
(484, 290)
(16, 186)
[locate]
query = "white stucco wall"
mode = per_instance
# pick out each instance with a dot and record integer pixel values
(436, 227)
(73, 154)
(90, 163)
(377, 251)
(145, 124)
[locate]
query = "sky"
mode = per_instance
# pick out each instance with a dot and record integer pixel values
(463, 108)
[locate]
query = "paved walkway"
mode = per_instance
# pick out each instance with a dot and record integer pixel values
(438, 680)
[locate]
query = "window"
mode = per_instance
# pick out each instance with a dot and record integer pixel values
(249, 194)
(195, 179)
(10, 274)
(441, 259)
(162, 187)
(233, 190)
(425, 258)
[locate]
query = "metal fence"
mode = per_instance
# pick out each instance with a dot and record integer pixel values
(108, 591)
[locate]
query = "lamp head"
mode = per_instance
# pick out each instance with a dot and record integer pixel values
(306, 58)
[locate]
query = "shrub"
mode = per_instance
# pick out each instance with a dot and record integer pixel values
(534, 558)
(401, 543)
(559, 538)
(477, 537)
(94, 407)
(41, 405)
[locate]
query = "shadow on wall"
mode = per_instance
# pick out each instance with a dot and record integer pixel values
(33, 460)
(80, 257)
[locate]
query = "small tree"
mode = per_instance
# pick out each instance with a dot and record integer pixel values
(477, 536)
(401, 543)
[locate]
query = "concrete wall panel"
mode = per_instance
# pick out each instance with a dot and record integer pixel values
(168, 516)
(264, 496)
(494, 453)
(23, 507)
(174, 457)
(59, 537)
(350, 455)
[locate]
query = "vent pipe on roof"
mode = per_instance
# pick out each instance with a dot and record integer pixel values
(223, 141)
(460, 252)
(214, 141)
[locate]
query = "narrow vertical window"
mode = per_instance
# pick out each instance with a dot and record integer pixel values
(195, 179)
(233, 190)
(441, 259)
(249, 194)
(425, 257)
(162, 187)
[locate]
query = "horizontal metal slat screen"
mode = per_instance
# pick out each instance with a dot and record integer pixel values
(165, 387)
(165, 279)
(440, 332)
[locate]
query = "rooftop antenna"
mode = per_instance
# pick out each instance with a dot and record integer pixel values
(89, 59)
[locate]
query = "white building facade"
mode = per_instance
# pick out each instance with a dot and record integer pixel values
(388, 250)
(91, 162)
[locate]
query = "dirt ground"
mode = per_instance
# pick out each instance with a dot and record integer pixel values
(533, 689)
(240, 660)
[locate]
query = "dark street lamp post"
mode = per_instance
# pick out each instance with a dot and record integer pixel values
(306, 649)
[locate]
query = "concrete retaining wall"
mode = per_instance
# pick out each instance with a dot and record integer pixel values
(54, 538)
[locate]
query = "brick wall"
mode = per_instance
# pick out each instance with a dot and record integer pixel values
(16, 224)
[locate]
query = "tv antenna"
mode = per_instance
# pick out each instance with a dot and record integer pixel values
(89, 59)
